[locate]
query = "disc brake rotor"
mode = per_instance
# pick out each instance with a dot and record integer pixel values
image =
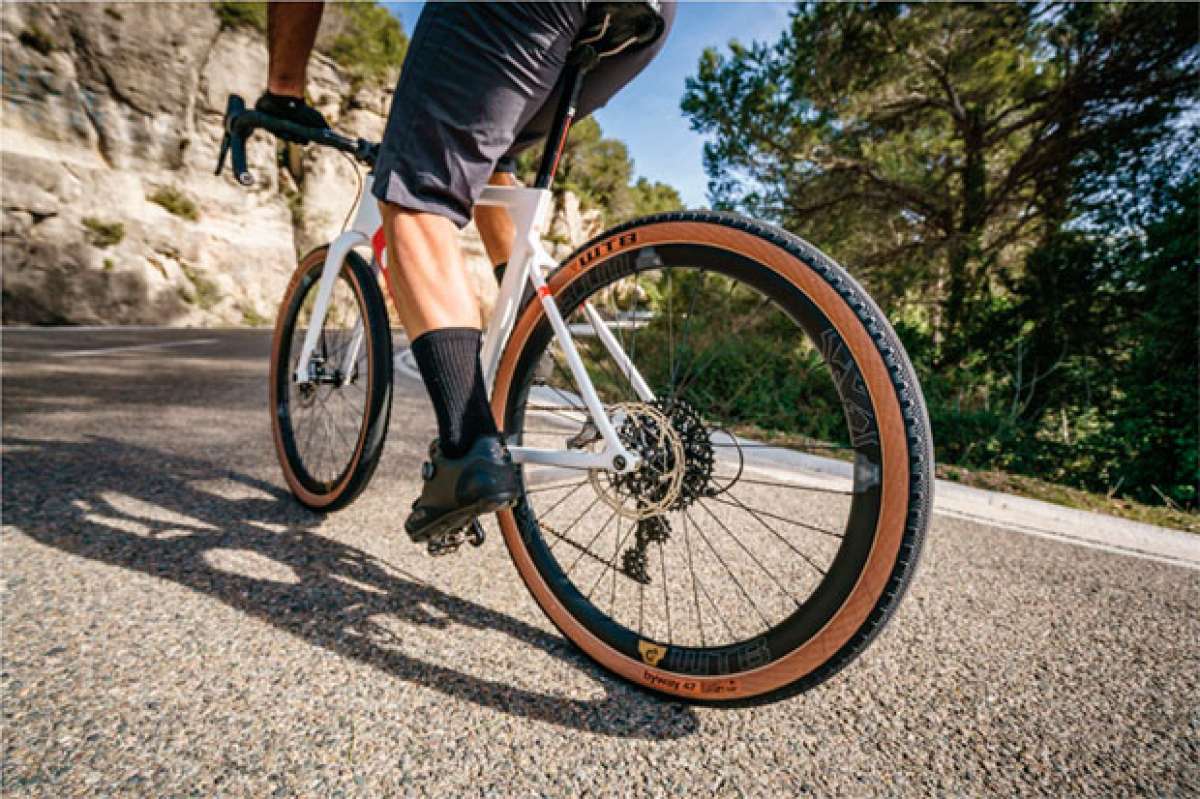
(652, 488)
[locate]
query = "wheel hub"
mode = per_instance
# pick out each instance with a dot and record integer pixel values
(652, 487)
(676, 459)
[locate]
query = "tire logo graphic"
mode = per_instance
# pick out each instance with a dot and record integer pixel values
(651, 653)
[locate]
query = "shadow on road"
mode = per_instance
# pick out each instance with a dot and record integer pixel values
(62, 494)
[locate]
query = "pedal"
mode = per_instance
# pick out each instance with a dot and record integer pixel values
(445, 544)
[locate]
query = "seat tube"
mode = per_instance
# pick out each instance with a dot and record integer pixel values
(564, 116)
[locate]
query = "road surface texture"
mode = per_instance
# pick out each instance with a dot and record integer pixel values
(174, 624)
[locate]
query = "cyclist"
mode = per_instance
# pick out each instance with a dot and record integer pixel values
(479, 85)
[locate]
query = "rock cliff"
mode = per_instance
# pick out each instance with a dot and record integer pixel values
(108, 138)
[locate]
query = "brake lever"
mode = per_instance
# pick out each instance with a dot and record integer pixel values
(234, 143)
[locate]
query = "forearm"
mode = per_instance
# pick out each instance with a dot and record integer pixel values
(291, 31)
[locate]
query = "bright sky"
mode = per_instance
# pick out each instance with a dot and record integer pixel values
(646, 114)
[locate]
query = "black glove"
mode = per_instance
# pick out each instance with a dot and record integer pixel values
(293, 109)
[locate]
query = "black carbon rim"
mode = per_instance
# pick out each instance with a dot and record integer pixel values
(781, 635)
(320, 432)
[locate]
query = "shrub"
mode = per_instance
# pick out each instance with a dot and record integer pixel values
(253, 318)
(205, 292)
(242, 15)
(176, 202)
(373, 45)
(103, 234)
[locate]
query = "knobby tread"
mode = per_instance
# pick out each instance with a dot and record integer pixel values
(912, 405)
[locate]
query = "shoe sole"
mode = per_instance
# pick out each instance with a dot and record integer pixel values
(463, 516)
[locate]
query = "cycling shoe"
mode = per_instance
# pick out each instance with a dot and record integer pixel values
(457, 490)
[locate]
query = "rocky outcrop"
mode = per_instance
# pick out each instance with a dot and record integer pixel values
(108, 139)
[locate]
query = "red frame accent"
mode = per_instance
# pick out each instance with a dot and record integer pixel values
(379, 246)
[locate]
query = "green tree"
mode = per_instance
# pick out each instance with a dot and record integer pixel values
(1015, 183)
(366, 40)
(598, 170)
(654, 198)
(930, 146)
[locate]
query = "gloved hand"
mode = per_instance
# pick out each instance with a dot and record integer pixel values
(293, 109)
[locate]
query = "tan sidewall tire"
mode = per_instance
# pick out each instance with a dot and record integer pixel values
(308, 498)
(890, 528)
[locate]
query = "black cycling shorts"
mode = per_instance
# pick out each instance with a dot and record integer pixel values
(479, 84)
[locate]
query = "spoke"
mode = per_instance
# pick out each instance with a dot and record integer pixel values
(687, 324)
(327, 452)
(777, 534)
(641, 605)
(729, 571)
(632, 353)
(604, 360)
(738, 503)
(617, 551)
(746, 319)
(746, 549)
(711, 601)
(333, 425)
(561, 500)
(783, 447)
(670, 326)
(585, 512)
(620, 539)
(308, 439)
(587, 549)
(695, 595)
(662, 560)
(352, 446)
(724, 314)
(549, 409)
(555, 487)
(793, 486)
(552, 408)
(580, 408)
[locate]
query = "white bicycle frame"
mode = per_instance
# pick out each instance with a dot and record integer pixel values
(530, 263)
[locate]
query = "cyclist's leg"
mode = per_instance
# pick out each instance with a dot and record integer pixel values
(474, 75)
(494, 224)
(605, 80)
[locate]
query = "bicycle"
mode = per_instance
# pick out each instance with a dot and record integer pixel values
(621, 373)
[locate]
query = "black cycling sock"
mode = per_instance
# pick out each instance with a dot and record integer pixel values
(498, 270)
(449, 362)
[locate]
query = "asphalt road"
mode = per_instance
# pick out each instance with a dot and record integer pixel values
(173, 624)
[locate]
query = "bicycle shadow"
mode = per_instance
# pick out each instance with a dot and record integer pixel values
(60, 493)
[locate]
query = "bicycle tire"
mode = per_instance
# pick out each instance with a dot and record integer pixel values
(815, 642)
(347, 480)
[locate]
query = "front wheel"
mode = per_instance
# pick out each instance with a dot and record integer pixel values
(329, 429)
(787, 467)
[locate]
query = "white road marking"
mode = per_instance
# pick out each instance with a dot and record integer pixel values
(130, 347)
(8, 330)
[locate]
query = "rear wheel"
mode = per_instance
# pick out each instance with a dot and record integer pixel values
(787, 473)
(329, 430)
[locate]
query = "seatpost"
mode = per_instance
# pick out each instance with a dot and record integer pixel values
(578, 64)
